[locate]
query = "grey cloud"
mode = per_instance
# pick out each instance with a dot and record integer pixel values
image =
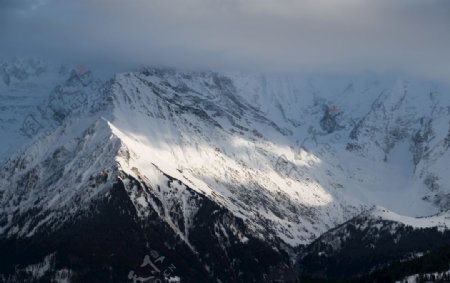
(407, 36)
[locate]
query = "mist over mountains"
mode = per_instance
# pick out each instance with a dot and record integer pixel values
(408, 37)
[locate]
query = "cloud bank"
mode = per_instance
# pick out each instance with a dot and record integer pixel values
(344, 36)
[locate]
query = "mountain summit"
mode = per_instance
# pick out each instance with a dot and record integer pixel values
(179, 176)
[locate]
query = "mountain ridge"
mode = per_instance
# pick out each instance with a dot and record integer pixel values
(288, 159)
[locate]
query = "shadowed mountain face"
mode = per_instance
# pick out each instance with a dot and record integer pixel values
(371, 241)
(111, 243)
(201, 176)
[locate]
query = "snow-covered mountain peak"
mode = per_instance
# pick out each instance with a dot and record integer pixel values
(223, 164)
(292, 156)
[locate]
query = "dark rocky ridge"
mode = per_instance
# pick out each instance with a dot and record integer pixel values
(364, 245)
(111, 240)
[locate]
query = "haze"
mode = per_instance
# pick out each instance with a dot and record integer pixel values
(328, 36)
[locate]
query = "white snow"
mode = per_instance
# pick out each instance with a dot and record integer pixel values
(416, 278)
(440, 221)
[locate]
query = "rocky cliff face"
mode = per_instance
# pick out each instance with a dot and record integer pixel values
(225, 176)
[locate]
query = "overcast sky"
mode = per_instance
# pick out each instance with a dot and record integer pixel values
(343, 36)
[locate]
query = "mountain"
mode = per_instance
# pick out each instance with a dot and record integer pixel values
(170, 175)
(371, 241)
